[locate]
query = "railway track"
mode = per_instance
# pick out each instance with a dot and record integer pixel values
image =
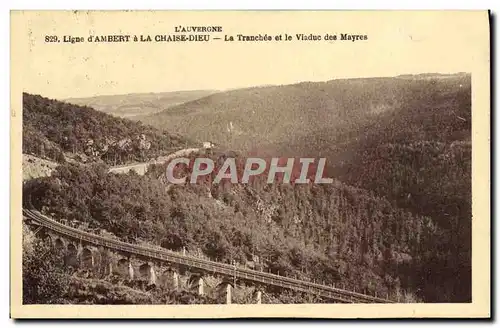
(244, 274)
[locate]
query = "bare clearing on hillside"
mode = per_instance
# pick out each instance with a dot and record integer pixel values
(35, 167)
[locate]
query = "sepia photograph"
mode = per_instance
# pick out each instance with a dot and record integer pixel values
(185, 159)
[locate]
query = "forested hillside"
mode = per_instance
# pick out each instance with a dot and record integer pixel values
(47, 279)
(407, 139)
(334, 234)
(261, 117)
(61, 131)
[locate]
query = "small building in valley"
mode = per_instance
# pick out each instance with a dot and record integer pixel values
(208, 145)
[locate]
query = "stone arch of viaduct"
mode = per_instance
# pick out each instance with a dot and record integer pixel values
(156, 267)
(82, 255)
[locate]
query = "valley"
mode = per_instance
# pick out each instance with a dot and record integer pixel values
(396, 219)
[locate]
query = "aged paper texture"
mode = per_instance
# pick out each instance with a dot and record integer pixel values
(216, 164)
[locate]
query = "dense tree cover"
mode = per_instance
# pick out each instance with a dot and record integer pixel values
(133, 104)
(99, 291)
(45, 281)
(397, 220)
(441, 261)
(420, 159)
(333, 234)
(260, 118)
(415, 152)
(52, 129)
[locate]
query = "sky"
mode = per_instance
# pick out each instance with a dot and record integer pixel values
(398, 43)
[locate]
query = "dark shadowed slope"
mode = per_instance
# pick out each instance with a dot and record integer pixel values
(406, 138)
(254, 117)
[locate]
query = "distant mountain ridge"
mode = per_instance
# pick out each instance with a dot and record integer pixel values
(133, 104)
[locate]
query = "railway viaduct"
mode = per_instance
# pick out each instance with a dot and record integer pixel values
(157, 266)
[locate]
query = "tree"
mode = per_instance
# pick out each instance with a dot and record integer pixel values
(44, 279)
